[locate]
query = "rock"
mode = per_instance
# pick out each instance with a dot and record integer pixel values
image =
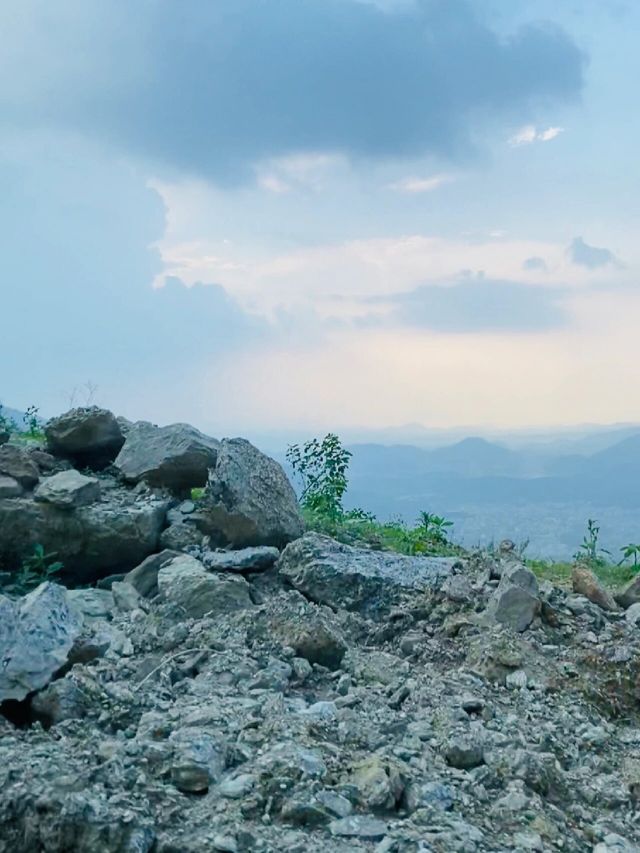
(249, 500)
(515, 602)
(244, 560)
(633, 614)
(359, 826)
(237, 787)
(585, 583)
(630, 594)
(379, 784)
(9, 488)
(176, 457)
(37, 633)
(180, 537)
(5, 435)
(198, 760)
(464, 752)
(431, 794)
(91, 541)
(144, 578)
(329, 572)
(309, 634)
(68, 490)
(61, 700)
(125, 596)
(46, 462)
(88, 437)
(15, 462)
(186, 584)
(92, 603)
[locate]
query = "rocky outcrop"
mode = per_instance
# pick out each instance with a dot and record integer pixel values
(193, 591)
(249, 500)
(177, 457)
(37, 633)
(328, 572)
(91, 541)
(243, 560)
(68, 490)
(88, 437)
(16, 462)
(515, 602)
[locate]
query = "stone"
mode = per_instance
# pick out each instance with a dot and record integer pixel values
(92, 603)
(180, 537)
(9, 488)
(237, 787)
(92, 541)
(464, 752)
(633, 614)
(515, 602)
(311, 638)
(89, 437)
(144, 578)
(68, 490)
(584, 582)
(630, 594)
(249, 500)
(378, 783)
(198, 760)
(125, 596)
(177, 457)
(62, 700)
(15, 462)
(5, 435)
(359, 826)
(37, 633)
(256, 559)
(432, 794)
(193, 591)
(329, 572)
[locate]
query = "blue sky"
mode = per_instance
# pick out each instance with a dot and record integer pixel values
(321, 213)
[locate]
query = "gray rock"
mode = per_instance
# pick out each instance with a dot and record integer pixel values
(185, 583)
(91, 541)
(68, 490)
(89, 437)
(464, 752)
(633, 614)
(630, 594)
(180, 537)
(244, 560)
(329, 572)
(62, 700)
(249, 500)
(9, 488)
(92, 603)
(125, 596)
(144, 578)
(198, 760)
(177, 457)
(5, 435)
(359, 826)
(37, 633)
(15, 462)
(515, 602)
(237, 787)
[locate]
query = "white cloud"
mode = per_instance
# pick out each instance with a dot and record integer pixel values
(302, 171)
(414, 185)
(529, 133)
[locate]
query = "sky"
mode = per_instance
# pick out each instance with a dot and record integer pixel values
(321, 214)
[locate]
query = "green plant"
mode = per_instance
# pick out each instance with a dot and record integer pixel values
(31, 421)
(590, 551)
(435, 527)
(36, 569)
(630, 552)
(197, 493)
(7, 423)
(321, 466)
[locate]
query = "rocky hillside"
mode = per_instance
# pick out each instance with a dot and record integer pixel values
(212, 678)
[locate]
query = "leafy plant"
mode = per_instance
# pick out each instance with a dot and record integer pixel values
(321, 466)
(435, 527)
(590, 551)
(630, 552)
(7, 423)
(31, 421)
(36, 569)
(197, 493)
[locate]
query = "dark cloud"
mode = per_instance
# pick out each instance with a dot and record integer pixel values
(535, 263)
(584, 255)
(209, 87)
(479, 305)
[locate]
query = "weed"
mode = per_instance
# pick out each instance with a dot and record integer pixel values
(197, 493)
(321, 466)
(36, 569)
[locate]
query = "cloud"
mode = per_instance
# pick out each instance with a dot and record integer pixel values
(535, 263)
(478, 304)
(528, 134)
(592, 257)
(212, 88)
(420, 185)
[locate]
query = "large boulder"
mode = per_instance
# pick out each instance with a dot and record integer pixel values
(193, 591)
(15, 462)
(630, 594)
(68, 489)
(37, 633)
(329, 572)
(91, 541)
(177, 456)
(249, 500)
(584, 582)
(515, 602)
(89, 437)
